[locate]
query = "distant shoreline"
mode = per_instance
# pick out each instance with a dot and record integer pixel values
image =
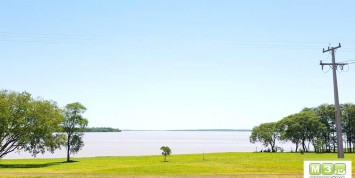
(198, 130)
(101, 129)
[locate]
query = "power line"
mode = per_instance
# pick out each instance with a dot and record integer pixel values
(349, 49)
(326, 70)
(327, 57)
(47, 42)
(52, 38)
(350, 61)
(44, 34)
(272, 44)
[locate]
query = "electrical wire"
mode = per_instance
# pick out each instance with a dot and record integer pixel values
(327, 70)
(348, 49)
(46, 42)
(348, 68)
(52, 38)
(48, 38)
(326, 59)
(349, 44)
(273, 44)
(349, 60)
(47, 35)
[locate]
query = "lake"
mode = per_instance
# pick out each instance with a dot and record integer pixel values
(137, 143)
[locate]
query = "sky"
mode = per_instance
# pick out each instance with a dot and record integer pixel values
(178, 64)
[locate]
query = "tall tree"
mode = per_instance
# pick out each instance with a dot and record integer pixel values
(74, 126)
(326, 113)
(348, 123)
(267, 134)
(290, 131)
(28, 124)
(301, 128)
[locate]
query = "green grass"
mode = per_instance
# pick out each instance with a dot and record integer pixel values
(178, 165)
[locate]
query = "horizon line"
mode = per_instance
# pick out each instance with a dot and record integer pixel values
(186, 129)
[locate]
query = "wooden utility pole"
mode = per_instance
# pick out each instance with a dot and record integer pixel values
(334, 66)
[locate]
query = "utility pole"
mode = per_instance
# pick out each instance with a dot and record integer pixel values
(334, 66)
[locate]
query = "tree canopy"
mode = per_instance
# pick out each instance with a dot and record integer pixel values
(311, 126)
(28, 124)
(267, 134)
(301, 128)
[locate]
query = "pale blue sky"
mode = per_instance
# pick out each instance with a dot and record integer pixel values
(184, 64)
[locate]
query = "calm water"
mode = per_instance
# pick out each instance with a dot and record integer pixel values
(135, 143)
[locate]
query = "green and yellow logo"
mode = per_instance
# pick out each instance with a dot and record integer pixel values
(327, 168)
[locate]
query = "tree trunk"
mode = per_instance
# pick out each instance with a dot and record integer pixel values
(350, 145)
(303, 146)
(328, 143)
(272, 146)
(68, 149)
(315, 147)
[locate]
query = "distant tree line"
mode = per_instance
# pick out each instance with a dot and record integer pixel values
(101, 129)
(310, 128)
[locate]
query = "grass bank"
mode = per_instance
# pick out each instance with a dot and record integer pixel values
(191, 165)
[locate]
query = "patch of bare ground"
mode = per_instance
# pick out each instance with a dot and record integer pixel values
(11, 174)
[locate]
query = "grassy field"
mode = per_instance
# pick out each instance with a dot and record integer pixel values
(191, 165)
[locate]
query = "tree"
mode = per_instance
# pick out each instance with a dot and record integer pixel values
(28, 124)
(74, 126)
(301, 128)
(326, 113)
(267, 134)
(348, 123)
(290, 131)
(166, 151)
